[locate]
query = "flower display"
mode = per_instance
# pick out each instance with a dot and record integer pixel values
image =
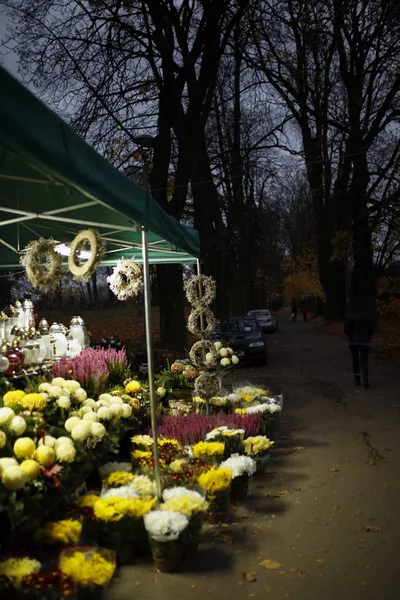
(142, 440)
(143, 486)
(186, 505)
(215, 480)
(16, 569)
(24, 448)
(126, 492)
(14, 478)
(118, 479)
(240, 465)
(47, 585)
(249, 393)
(177, 491)
(257, 445)
(65, 453)
(87, 501)
(88, 569)
(115, 509)
(208, 449)
(66, 531)
(33, 402)
(165, 526)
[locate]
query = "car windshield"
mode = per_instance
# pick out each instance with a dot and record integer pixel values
(239, 326)
(260, 314)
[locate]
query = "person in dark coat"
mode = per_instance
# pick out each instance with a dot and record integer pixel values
(294, 312)
(358, 329)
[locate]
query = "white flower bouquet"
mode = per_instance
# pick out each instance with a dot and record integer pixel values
(167, 536)
(242, 467)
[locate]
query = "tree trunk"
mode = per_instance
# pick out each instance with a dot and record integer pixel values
(172, 318)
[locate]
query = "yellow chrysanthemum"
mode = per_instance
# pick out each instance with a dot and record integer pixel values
(114, 509)
(33, 402)
(208, 449)
(169, 442)
(118, 479)
(177, 465)
(31, 468)
(87, 501)
(17, 568)
(13, 398)
(66, 531)
(24, 447)
(240, 411)
(87, 569)
(132, 387)
(198, 400)
(142, 440)
(256, 444)
(215, 480)
(136, 454)
(186, 505)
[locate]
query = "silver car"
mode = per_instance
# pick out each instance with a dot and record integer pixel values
(265, 319)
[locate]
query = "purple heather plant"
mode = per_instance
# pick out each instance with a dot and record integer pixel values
(92, 368)
(193, 427)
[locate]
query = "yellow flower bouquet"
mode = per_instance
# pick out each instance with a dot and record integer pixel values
(67, 531)
(209, 451)
(217, 482)
(118, 479)
(91, 569)
(257, 447)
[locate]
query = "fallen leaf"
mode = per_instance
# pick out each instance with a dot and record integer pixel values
(372, 528)
(193, 587)
(283, 493)
(320, 560)
(333, 470)
(270, 565)
(251, 577)
(298, 448)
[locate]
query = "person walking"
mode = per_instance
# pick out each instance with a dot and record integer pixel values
(358, 329)
(304, 312)
(294, 312)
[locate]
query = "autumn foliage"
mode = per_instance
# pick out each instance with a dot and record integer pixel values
(302, 277)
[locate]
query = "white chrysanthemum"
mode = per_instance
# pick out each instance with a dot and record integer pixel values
(17, 426)
(3, 439)
(44, 395)
(116, 410)
(65, 453)
(80, 395)
(63, 440)
(240, 465)
(102, 404)
(142, 440)
(81, 431)
(44, 387)
(47, 440)
(14, 478)
(125, 492)
(217, 346)
(110, 467)
(223, 352)
(235, 359)
(55, 391)
(234, 398)
(70, 423)
(143, 485)
(209, 357)
(84, 410)
(104, 413)
(90, 416)
(273, 408)
(71, 385)
(225, 362)
(230, 351)
(178, 491)
(126, 411)
(90, 403)
(116, 400)
(161, 391)
(64, 402)
(7, 462)
(107, 397)
(6, 415)
(165, 525)
(97, 430)
(60, 381)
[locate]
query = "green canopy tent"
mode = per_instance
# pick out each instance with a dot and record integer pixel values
(53, 184)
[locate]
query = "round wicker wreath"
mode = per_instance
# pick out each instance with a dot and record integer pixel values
(206, 284)
(90, 238)
(198, 352)
(206, 385)
(195, 322)
(42, 264)
(126, 280)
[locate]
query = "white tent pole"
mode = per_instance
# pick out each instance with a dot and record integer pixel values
(150, 366)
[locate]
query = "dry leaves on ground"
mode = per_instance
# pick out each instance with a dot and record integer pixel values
(372, 528)
(270, 565)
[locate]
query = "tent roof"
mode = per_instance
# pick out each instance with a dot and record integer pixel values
(53, 184)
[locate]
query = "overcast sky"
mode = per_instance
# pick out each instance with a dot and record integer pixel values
(7, 59)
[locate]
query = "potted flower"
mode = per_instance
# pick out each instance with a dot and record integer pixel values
(209, 451)
(167, 536)
(242, 467)
(232, 439)
(257, 448)
(270, 412)
(59, 534)
(91, 570)
(191, 504)
(53, 585)
(12, 572)
(217, 482)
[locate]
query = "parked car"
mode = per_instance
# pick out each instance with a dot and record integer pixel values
(244, 336)
(266, 320)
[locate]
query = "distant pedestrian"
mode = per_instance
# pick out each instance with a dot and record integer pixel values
(294, 312)
(358, 329)
(304, 312)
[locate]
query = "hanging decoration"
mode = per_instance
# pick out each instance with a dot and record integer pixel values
(201, 321)
(89, 240)
(126, 279)
(42, 263)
